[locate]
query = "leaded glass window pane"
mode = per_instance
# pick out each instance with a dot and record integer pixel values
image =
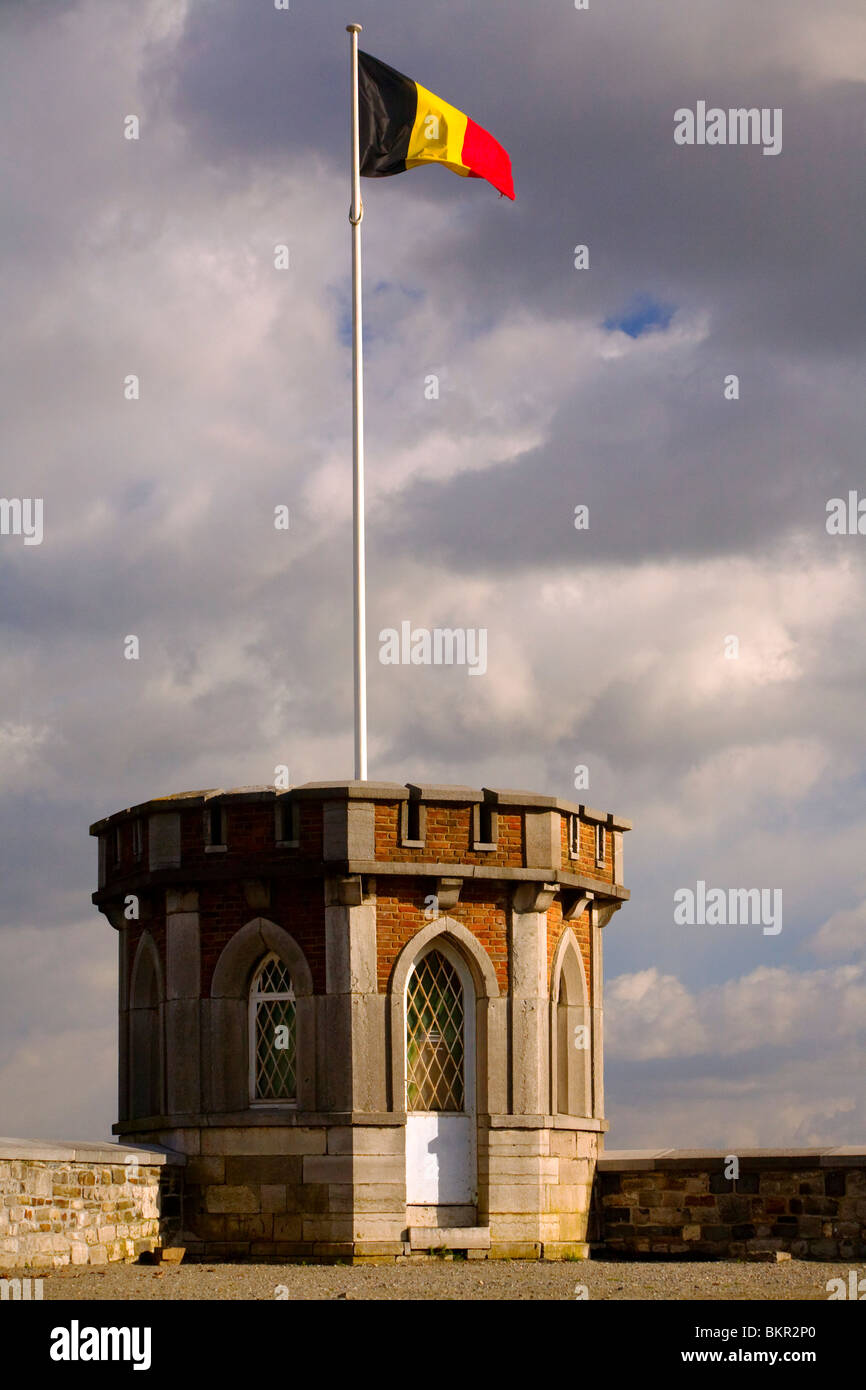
(434, 1036)
(274, 1032)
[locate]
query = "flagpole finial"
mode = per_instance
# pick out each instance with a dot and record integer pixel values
(354, 28)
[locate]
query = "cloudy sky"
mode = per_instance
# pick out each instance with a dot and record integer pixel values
(558, 387)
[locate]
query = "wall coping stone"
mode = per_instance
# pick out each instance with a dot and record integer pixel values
(363, 791)
(76, 1151)
(460, 795)
(648, 1160)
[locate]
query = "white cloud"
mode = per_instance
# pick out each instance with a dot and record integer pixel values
(771, 1057)
(653, 1015)
(58, 1038)
(843, 933)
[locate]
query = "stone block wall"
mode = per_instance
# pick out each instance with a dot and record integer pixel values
(537, 1184)
(810, 1203)
(84, 1204)
(340, 1191)
(332, 1191)
(320, 1192)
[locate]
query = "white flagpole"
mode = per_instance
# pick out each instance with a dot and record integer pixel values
(355, 215)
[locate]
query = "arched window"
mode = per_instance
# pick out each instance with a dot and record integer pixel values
(273, 1033)
(434, 1036)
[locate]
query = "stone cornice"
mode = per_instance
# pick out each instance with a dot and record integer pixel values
(366, 791)
(226, 869)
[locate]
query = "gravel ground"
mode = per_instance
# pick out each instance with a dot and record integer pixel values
(442, 1279)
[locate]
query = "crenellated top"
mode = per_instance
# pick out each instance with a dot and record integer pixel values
(361, 828)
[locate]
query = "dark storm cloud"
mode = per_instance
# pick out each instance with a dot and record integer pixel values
(768, 249)
(585, 104)
(719, 477)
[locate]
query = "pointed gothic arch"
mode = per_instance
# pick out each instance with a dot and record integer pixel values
(489, 1040)
(146, 1045)
(228, 1014)
(570, 1031)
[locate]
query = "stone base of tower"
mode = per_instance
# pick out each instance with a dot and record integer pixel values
(370, 1016)
(538, 1187)
(338, 1191)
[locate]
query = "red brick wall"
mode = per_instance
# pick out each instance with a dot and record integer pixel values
(250, 829)
(448, 837)
(297, 905)
(128, 864)
(400, 914)
(586, 863)
(222, 912)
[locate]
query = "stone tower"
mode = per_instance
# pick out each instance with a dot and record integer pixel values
(370, 1015)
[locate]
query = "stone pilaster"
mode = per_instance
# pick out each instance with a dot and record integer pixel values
(183, 991)
(122, 1024)
(597, 1012)
(530, 1041)
(353, 1007)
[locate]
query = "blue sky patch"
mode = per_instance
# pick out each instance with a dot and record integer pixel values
(643, 313)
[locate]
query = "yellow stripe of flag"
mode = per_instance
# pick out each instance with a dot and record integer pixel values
(438, 133)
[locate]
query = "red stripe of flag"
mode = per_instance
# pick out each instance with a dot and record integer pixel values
(485, 158)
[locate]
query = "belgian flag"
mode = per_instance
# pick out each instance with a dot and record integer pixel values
(403, 125)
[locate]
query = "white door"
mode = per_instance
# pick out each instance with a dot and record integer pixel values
(440, 1081)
